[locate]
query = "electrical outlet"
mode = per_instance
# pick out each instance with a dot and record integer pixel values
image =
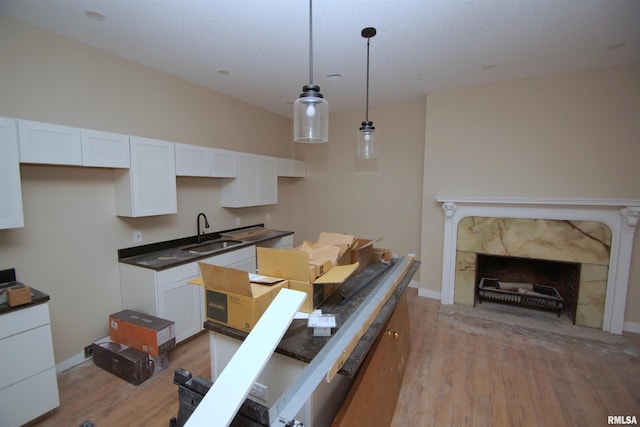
(137, 236)
(260, 391)
(237, 220)
(88, 351)
(268, 217)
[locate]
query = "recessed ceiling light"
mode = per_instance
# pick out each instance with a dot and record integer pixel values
(334, 77)
(616, 45)
(489, 67)
(96, 16)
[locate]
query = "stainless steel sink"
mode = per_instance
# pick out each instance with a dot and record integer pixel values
(212, 246)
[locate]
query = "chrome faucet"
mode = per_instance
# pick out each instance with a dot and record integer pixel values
(206, 224)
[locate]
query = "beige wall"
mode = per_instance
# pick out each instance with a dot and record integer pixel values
(370, 199)
(68, 247)
(573, 135)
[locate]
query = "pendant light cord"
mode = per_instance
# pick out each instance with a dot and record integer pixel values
(367, 106)
(310, 42)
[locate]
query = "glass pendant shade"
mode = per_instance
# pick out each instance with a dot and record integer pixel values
(311, 110)
(311, 116)
(366, 147)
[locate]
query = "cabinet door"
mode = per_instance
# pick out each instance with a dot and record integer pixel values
(148, 187)
(49, 143)
(243, 190)
(223, 164)
(256, 184)
(373, 396)
(267, 181)
(11, 213)
(104, 149)
(181, 302)
(193, 160)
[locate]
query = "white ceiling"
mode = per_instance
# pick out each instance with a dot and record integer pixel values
(421, 46)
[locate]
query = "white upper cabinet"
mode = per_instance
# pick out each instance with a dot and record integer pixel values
(223, 163)
(291, 168)
(104, 149)
(256, 183)
(194, 160)
(11, 214)
(148, 187)
(49, 143)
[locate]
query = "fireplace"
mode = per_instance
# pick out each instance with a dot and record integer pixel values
(595, 234)
(528, 282)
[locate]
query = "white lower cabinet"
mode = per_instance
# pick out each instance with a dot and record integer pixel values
(11, 213)
(169, 295)
(28, 382)
(284, 242)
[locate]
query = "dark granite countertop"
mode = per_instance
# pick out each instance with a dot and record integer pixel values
(8, 279)
(171, 253)
(299, 343)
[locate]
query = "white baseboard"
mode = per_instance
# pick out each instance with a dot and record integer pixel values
(71, 362)
(631, 327)
(427, 293)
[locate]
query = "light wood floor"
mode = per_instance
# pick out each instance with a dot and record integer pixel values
(462, 371)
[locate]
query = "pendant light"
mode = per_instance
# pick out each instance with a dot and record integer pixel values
(366, 146)
(311, 110)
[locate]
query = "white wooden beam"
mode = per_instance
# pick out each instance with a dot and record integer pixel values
(221, 403)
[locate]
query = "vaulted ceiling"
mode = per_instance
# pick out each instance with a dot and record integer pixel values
(258, 50)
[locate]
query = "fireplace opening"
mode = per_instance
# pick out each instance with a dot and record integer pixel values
(528, 282)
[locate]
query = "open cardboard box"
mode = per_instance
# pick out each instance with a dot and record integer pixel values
(293, 265)
(231, 299)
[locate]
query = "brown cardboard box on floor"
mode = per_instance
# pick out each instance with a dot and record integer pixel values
(293, 265)
(143, 332)
(231, 299)
(128, 363)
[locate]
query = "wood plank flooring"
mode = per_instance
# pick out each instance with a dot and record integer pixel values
(462, 371)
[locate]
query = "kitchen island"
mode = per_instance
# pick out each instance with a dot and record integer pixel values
(299, 347)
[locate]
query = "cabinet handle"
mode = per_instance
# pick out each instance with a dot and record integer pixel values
(393, 334)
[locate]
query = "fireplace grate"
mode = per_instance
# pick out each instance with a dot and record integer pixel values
(538, 297)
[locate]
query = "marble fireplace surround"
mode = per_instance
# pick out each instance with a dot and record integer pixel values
(621, 216)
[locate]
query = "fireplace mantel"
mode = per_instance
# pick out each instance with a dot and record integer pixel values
(620, 215)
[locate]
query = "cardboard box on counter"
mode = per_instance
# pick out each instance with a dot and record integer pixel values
(293, 265)
(143, 332)
(231, 299)
(128, 363)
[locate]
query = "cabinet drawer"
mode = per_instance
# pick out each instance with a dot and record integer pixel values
(232, 257)
(26, 354)
(176, 274)
(24, 319)
(28, 399)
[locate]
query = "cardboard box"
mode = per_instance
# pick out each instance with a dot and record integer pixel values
(18, 295)
(231, 299)
(143, 332)
(130, 364)
(293, 265)
(362, 253)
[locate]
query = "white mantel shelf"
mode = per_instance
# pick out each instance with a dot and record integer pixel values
(539, 201)
(621, 215)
